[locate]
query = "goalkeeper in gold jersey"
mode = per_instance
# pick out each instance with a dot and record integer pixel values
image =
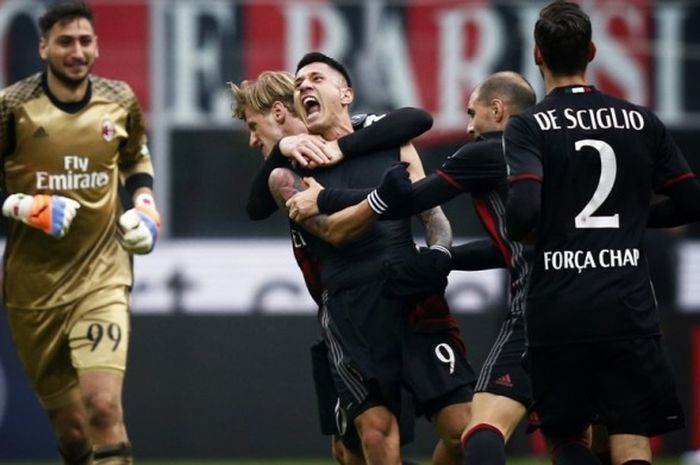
(68, 139)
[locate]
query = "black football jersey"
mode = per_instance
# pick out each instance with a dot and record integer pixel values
(599, 160)
(479, 168)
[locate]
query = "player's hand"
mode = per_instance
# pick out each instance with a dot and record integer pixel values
(394, 187)
(52, 214)
(138, 228)
(421, 275)
(307, 150)
(304, 204)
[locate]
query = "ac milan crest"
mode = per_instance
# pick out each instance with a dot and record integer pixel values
(108, 130)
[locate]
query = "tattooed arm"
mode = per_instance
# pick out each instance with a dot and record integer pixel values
(284, 183)
(436, 226)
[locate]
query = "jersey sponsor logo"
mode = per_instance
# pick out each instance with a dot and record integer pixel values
(108, 130)
(83, 179)
(590, 119)
(583, 259)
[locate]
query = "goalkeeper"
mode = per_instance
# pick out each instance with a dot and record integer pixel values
(69, 139)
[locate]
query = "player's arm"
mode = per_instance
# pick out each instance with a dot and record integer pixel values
(479, 254)
(437, 228)
(681, 207)
(52, 214)
(139, 226)
(674, 179)
(284, 183)
(261, 204)
(375, 133)
(525, 178)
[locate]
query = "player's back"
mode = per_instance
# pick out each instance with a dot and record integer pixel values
(601, 159)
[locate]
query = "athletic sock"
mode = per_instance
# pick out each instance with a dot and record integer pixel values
(115, 454)
(574, 453)
(484, 444)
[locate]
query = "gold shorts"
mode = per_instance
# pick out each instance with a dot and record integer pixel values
(54, 344)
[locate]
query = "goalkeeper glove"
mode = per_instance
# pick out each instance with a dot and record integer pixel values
(138, 227)
(52, 214)
(394, 187)
(421, 275)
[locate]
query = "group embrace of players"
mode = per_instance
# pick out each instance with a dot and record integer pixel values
(563, 188)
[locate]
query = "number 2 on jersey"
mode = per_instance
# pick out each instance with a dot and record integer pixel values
(608, 172)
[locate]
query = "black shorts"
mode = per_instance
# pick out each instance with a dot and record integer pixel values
(628, 385)
(435, 365)
(332, 419)
(503, 373)
(362, 330)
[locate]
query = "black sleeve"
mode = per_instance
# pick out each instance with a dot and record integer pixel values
(431, 191)
(427, 193)
(523, 208)
(261, 204)
(682, 206)
(392, 130)
(333, 199)
(481, 254)
(477, 166)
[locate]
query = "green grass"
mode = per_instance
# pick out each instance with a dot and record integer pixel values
(316, 461)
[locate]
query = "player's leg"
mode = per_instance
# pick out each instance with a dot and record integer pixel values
(502, 393)
(630, 449)
(562, 387)
(379, 435)
(449, 423)
(493, 420)
(360, 330)
(43, 350)
(99, 334)
(638, 398)
(436, 369)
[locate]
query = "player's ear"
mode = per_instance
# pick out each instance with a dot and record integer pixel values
(346, 95)
(43, 48)
(498, 110)
(97, 48)
(538, 56)
(591, 51)
(279, 112)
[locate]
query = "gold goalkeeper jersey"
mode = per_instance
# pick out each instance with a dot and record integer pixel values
(80, 150)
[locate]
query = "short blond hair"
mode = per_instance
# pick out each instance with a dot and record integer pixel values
(260, 94)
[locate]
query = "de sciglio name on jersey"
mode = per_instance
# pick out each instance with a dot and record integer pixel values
(590, 119)
(76, 176)
(584, 259)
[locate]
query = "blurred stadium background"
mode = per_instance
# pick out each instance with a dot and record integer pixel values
(219, 361)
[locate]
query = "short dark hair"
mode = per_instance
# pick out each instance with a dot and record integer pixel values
(318, 57)
(563, 35)
(64, 12)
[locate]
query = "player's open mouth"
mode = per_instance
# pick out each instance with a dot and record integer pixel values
(311, 105)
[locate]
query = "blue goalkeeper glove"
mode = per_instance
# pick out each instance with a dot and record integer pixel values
(394, 187)
(52, 214)
(139, 227)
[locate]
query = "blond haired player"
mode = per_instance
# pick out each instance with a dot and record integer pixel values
(68, 140)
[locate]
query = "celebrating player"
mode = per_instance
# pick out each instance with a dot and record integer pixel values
(583, 166)
(68, 138)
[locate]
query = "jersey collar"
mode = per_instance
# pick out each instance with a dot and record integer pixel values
(575, 89)
(68, 107)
